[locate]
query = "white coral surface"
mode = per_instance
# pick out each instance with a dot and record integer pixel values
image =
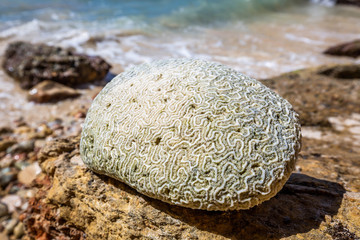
(192, 133)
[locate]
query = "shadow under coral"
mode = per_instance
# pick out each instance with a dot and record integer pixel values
(299, 207)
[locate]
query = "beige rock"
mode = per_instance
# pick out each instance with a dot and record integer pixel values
(49, 91)
(91, 202)
(28, 174)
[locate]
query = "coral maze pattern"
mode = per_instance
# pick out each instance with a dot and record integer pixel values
(192, 133)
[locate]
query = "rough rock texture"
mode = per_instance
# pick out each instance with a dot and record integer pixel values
(192, 133)
(319, 93)
(30, 64)
(75, 199)
(349, 49)
(49, 91)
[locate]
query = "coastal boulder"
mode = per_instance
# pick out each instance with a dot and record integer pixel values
(33, 63)
(348, 49)
(192, 133)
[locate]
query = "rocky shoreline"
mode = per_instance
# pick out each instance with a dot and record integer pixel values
(47, 193)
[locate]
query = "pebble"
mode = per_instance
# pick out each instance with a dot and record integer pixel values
(6, 161)
(5, 144)
(12, 201)
(9, 228)
(4, 211)
(19, 230)
(29, 173)
(24, 146)
(6, 176)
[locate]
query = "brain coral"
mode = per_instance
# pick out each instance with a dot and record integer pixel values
(192, 133)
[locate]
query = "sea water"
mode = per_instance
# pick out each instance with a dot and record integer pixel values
(261, 38)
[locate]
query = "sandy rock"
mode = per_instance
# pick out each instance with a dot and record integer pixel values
(49, 91)
(299, 211)
(349, 49)
(317, 95)
(30, 64)
(29, 173)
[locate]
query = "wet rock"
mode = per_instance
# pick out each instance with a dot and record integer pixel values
(3, 210)
(319, 93)
(6, 176)
(349, 2)
(49, 91)
(4, 144)
(349, 49)
(22, 147)
(71, 196)
(33, 63)
(29, 173)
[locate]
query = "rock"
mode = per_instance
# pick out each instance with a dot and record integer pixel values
(49, 91)
(9, 228)
(349, 49)
(4, 211)
(5, 130)
(22, 147)
(71, 197)
(33, 63)
(12, 201)
(6, 176)
(192, 133)
(349, 2)
(316, 96)
(4, 144)
(29, 173)
(350, 71)
(19, 230)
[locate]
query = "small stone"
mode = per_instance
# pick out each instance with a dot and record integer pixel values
(29, 173)
(21, 165)
(6, 161)
(4, 211)
(6, 176)
(9, 228)
(23, 129)
(22, 147)
(4, 144)
(49, 91)
(19, 230)
(12, 201)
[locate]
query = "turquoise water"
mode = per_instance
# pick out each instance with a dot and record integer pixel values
(185, 12)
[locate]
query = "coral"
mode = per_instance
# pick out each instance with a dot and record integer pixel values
(192, 133)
